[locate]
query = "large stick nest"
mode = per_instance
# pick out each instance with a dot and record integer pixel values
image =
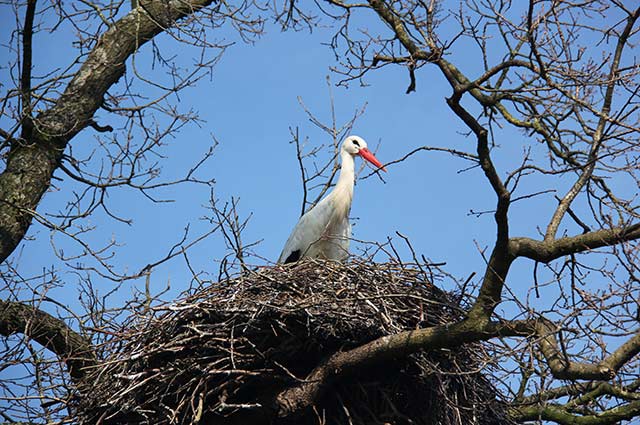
(222, 355)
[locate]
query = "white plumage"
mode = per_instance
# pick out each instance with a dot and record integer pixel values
(324, 231)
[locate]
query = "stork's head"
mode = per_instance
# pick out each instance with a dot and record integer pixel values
(355, 145)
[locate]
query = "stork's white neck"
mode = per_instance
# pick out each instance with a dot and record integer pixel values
(342, 194)
(347, 172)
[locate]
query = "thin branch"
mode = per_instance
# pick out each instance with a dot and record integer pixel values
(598, 135)
(25, 77)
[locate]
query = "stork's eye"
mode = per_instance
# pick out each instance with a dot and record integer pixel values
(355, 142)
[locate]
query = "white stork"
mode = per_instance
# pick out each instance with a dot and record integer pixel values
(324, 231)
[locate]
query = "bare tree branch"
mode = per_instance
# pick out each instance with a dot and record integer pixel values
(49, 332)
(25, 78)
(599, 133)
(545, 252)
(559, 414)
(31, 164)
(386, 348)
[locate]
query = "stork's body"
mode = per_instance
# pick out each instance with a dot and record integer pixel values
(325, 231)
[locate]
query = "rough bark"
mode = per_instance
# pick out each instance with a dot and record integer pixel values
(51, 333)
(559, 414)
(343, 363)
(546, 251)
(31, 163)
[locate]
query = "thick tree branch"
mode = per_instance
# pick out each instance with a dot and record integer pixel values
(396, 25)
(500, 261)
(31, 163)
(602, 389)
(554, 86)
(545, 252)
(571, 389)
(624, 353)
(304, 394)
(106, 64)
(561, 367)
(498, 267)
(559, 414)
(51, 333)
(6, 136)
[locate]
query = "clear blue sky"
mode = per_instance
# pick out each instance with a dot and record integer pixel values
(249, 105)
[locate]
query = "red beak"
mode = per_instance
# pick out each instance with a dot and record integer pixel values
(366, 154)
